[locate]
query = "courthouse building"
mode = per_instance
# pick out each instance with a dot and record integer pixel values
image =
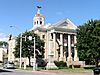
(59, 38)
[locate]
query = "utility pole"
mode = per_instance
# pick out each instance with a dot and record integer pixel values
(20, 59)
(20, 50)
(34, 60)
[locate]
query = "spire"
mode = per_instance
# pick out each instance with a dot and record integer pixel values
(38, 19)
(38, 7)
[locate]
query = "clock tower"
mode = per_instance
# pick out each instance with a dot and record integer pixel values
(38, 20)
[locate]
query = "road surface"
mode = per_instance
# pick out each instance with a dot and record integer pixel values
(25, 72)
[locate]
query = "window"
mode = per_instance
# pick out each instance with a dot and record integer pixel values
(43, 36)
(34, 22)
(37, 22)
(51, 36)
(40, 22)
(40, 18)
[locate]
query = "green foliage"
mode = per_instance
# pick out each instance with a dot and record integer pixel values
(60, 64)
(28, 45)
(41, 63)
(76, 66)
(88, 41)
(89, 68)
(1, 62)
(3, 43)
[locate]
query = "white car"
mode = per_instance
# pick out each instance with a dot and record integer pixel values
(9, 66)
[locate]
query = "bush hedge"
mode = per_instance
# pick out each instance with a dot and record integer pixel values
(60, 64)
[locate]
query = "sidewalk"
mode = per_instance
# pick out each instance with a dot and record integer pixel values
(52, 72)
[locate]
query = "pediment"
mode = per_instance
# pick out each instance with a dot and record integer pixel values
(67, 24)
(63, 25)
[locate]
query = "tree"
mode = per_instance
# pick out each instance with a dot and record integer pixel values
(88, 41)
(3, 43)
(28, 46)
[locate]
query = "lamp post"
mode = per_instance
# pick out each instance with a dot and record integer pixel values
(20, 61)
(20, 51)
(34, 60)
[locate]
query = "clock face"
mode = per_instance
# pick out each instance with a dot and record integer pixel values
(40, 18)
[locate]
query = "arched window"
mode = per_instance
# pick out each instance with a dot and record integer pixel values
(37, 22)
(34, 22)
(40, 22)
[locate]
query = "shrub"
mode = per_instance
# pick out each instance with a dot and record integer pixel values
(1, 62)
(89, 67)
(77, 66)
(41, 63)
(60, 64)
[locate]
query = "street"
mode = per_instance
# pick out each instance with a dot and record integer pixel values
(25, 72)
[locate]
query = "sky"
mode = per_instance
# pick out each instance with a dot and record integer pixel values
(20, 13)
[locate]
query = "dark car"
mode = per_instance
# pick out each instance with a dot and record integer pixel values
(97, 70)
(9, 66)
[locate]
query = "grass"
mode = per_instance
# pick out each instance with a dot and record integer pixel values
(79, 70)
(76, 70)
(27, 68)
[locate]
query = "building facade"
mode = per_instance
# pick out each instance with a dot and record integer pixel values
(11, 46)
(59, 38)
(3, 53)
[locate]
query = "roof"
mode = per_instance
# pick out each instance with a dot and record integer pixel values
(39, 15)
(60, 26)
(41, 29)
(64, 30)
(63, 22)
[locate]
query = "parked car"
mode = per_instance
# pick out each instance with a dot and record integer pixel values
(9, 66)
(97, 70)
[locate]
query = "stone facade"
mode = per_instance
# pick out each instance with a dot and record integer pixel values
(12, 43)
(3, 54)
(59, 38)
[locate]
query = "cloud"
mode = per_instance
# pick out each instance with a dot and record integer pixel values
(3, 37)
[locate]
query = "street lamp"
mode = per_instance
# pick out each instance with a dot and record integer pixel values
(20, 51)
(34, 60)
(20, 61)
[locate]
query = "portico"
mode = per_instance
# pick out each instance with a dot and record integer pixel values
(63, 44)
(65, 40)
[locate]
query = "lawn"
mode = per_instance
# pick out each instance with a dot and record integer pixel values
(76, 70)
(61, 70)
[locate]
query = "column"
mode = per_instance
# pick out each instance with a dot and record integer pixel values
(61, 47)
(51, 64)
(75, 50)
(54, 41)
(69, 58)
(50, 43)
(47, 46)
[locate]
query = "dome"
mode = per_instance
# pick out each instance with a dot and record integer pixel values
(39, 15)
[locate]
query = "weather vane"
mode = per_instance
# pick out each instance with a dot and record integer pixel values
(39, 7)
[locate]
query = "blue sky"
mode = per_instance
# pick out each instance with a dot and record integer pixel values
(21, 12)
